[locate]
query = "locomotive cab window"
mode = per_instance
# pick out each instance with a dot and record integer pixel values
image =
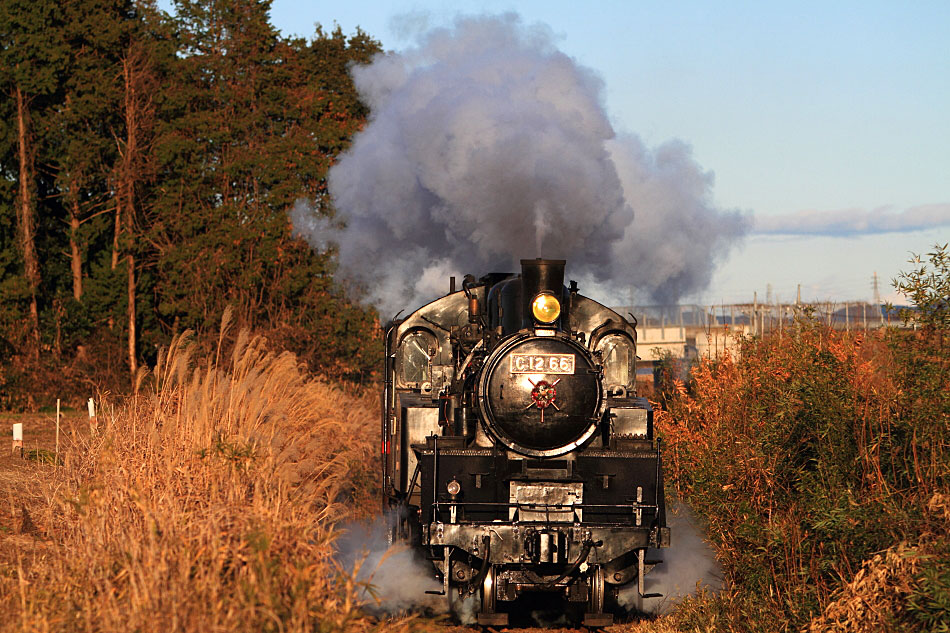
(618, 356)
(414, 358)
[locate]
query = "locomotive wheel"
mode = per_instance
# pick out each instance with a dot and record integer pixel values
(595, 616)
(597, 590)
(488, 616)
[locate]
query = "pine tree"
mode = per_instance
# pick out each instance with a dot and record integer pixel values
(250, 127)
(97, 32)
(32, 58)
(150, 166)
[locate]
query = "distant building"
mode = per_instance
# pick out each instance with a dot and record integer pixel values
(691, 331)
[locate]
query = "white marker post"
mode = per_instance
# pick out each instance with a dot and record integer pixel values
(93, 422)
(17, 437)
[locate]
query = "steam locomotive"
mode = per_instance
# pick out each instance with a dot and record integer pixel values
(515, 453)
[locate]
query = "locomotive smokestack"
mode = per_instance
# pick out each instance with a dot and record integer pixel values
(537, 276)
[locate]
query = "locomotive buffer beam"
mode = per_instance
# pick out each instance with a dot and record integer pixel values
(508, 541)
(597, 620)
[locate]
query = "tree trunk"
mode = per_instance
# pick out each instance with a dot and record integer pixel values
(133, 361)
(136, 113)
(75, 253)
(127, 194)
(115, 235)
(26, 218)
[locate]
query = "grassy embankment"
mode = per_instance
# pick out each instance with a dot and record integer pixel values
(209, 500)
(206, 502)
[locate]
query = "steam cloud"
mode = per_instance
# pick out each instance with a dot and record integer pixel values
(688, 565)
(487, 145)
(395, 578)
(851, 222)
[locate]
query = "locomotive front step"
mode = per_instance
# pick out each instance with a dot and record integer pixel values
(597, 620)
(492, 619)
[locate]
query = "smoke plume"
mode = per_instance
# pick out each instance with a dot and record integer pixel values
(485, 145)
(852, 222)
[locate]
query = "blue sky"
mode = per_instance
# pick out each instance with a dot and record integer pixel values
(832, 108)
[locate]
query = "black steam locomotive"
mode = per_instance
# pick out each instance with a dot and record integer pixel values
(515, 453)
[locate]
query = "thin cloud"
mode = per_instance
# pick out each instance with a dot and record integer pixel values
(854, 222)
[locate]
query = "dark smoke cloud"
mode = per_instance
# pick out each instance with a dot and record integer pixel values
(852, 222)
(487, 145)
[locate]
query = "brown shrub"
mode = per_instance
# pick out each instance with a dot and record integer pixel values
(878, 597)
(809, 455)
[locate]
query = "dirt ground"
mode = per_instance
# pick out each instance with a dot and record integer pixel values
(25, 510)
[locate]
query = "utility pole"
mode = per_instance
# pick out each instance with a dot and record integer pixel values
(755, 312)
(798, 307)
(877, 298)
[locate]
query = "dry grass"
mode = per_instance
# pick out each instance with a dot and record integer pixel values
(206, 502)
(877, 598)
(209, 501)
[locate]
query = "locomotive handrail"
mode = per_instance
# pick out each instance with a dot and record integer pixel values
(434, 324)
(533, 506)
(388, 386)
(471, 354)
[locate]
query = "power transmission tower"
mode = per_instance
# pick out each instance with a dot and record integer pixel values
(877, 290)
